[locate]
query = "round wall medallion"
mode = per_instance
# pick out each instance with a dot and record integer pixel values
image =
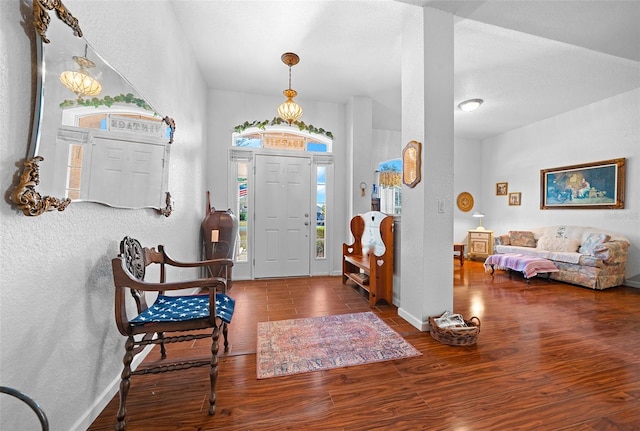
(465, 201)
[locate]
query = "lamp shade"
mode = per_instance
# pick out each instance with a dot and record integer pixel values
(289, 110)
(81, 83)
(479, 215)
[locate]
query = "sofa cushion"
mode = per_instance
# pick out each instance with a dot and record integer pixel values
(549, 243)
(587, 260)
(502, 240)
(522, 238)
(556, 256)
(562, 256)
(612, 252)
(592, 241)
(530, 251)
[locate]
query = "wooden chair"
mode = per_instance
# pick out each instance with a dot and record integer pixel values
(152, 323)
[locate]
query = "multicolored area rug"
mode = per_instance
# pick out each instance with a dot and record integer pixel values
(320, 343)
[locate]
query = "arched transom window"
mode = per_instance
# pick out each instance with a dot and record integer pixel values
(282, 138)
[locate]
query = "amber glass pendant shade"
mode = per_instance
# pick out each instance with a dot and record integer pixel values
(289, 110)
(80, 81)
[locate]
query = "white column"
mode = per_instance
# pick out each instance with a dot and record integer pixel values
(427, 210)
(360, 140)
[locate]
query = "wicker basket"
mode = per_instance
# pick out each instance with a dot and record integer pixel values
(456, 337)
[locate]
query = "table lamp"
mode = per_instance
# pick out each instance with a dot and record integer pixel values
(479, 215)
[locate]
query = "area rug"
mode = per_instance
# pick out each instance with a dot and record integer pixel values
(320, 343)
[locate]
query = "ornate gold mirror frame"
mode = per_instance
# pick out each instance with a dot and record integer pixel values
(25, 196)
(411, 162)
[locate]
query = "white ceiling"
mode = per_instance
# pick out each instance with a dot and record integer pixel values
(529, 60)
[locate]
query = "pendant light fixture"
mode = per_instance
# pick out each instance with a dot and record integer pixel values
(290, 111)
(80, 81)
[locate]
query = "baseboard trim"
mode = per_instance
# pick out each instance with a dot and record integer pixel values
(107, 395)
(632, 283)
(415, 322)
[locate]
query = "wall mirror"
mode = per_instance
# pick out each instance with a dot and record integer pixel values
(94, 137)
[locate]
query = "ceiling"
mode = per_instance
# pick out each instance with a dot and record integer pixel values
(529, 60)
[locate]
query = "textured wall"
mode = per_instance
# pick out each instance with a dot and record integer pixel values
(228, 109)
(57, 331)
(604, 130)
(56, 267)
(466, 178)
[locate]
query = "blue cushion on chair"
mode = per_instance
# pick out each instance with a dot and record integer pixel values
(225, 305)
(179, 308)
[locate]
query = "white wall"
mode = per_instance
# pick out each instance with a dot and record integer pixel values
(364, 160)
(467, 175)
(387, 145)
(59, 341)
(228, 109)
(601, 131)
(56, 267)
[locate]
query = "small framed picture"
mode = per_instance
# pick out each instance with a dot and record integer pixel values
(501, 189)
(514, 198)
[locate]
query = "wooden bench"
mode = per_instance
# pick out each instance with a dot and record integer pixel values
(368, 261)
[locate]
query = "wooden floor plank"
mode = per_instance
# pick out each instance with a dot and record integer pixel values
(550, 356)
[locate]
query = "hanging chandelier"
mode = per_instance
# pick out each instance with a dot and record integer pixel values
(290, 111)
(80, 81)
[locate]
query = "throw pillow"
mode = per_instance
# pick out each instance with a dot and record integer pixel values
(522, 238)
(503, 240)
(592, 241)
(555, 244)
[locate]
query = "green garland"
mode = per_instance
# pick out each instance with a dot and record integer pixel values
(278, 121)
(108, 101)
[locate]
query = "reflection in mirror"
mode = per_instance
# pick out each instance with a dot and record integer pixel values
(95, 137)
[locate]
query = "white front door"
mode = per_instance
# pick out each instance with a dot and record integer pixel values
(282, 216)
(125, 173)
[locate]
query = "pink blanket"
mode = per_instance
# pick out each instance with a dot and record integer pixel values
(530, 266)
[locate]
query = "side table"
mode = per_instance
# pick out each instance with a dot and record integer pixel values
(459, 248)
(480, 243)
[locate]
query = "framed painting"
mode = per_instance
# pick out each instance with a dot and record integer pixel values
(514, 198)
(411, 160)
(597, 185)
(501, 189)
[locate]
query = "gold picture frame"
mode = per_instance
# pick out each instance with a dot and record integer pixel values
(411, 164)
(597, 185)
(514, 198)
(502, 189)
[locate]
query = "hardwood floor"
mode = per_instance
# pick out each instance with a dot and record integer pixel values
(550, 356)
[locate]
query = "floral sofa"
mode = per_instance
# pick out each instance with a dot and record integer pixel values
(585, 256)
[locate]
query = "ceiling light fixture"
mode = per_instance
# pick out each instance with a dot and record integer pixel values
(290, 111)
(470, 105)
(80, 81)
